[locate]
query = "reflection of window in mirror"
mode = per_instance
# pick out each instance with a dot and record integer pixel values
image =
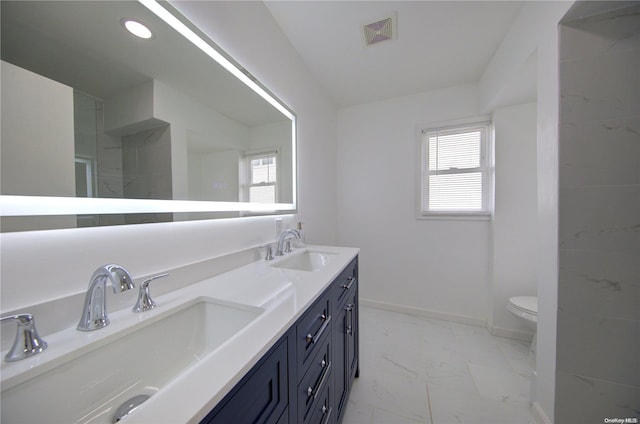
(84, 180)
(262, 178)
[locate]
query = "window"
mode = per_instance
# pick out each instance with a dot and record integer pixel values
(84, 177)
(454, 172)
(262, 187)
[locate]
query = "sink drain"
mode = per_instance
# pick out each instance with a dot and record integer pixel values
(128, 407)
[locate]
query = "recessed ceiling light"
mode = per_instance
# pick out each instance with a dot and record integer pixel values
(136, 28)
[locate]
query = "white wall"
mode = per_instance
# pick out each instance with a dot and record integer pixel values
(129, 111)
(146, 164)
(514, 224)
(37, 134)
(428, 266)
(598, 348)
(548, 117)
(38, 266)
(535, 30)
(37, 141)
(197, 128)
(214, 175)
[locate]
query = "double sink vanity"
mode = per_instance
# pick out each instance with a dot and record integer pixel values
(268, 342)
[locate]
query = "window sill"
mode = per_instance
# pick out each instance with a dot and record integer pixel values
(454, 216)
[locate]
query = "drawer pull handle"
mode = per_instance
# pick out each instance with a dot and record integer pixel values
(350, 308)
(327, 413)
(350, 280)
(314, 338)
(313, 391)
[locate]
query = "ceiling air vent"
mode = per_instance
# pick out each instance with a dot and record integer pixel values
(380, 30)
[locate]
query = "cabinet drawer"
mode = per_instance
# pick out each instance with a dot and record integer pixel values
(322, 411)
(260, 397)
(347, 279)
(316, 379)
(310, 331)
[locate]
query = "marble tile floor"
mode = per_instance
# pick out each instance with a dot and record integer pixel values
(421, 370)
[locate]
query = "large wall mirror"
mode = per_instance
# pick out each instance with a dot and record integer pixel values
(103, 127)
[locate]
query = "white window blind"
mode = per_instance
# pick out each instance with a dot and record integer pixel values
(454, 171)
(262, 177)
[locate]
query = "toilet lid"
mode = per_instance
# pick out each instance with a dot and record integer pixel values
(525, 303)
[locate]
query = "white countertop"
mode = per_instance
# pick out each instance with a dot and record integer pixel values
(283, 294)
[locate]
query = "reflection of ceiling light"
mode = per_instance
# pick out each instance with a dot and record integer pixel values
(179, 26)
(136, 28)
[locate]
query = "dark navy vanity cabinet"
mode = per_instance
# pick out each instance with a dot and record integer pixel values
(345, 335)
(261, 396)
(306, 377)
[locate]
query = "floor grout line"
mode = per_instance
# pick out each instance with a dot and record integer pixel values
(473, 378)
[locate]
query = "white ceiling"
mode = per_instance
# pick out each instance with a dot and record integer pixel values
(439, 44)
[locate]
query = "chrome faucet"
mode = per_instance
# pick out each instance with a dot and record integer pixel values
(94, 313)
(286, 234)
(27, 342)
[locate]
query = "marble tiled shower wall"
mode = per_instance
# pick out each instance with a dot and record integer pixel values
(598, 346)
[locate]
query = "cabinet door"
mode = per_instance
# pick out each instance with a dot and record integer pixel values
(352, 336)
(261, 397)
(284, 419)
(346, 349)
(340, 355)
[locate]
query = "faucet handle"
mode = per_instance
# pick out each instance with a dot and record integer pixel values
(269, 251)
(144, 302)
(27, 342)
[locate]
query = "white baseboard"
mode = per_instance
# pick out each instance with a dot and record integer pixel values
(539, 415)
(423, 312)
(509, 333)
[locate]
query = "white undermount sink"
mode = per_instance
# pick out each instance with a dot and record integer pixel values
(89, 388)
(309, 260)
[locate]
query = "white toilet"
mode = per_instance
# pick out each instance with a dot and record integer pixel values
(526, 307)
